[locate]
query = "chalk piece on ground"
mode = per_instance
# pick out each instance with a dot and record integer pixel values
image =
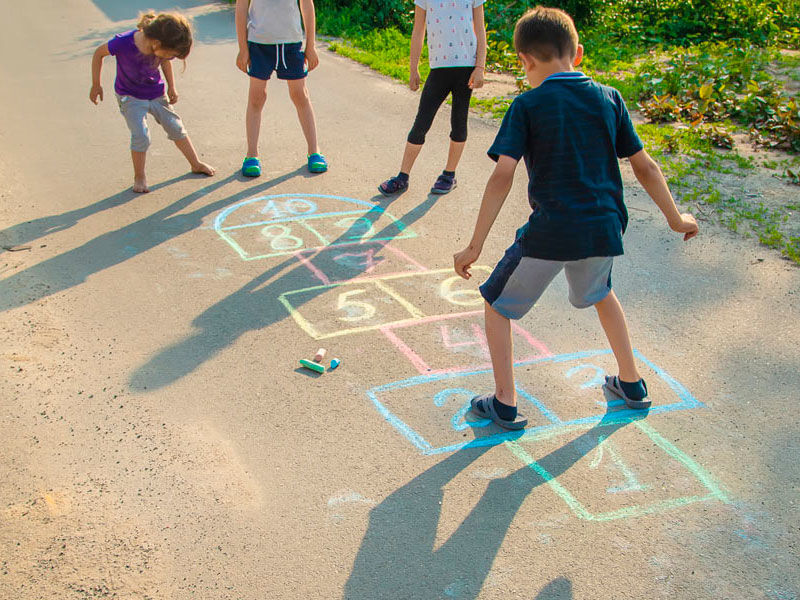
(320, 355)
(314, 366)
(335, 363)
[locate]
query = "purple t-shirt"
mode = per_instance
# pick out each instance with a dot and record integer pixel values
(137, 73)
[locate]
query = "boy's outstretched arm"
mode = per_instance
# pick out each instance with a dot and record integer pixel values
(652, 179)
(417, 37)
(310, 26)
(240, 17)
(97, 66)
(494, 196)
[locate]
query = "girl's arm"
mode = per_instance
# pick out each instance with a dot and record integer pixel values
(417, 37)
(169, 77)
(97, 66)
(476, 80)
(310, 25)
(240, 16)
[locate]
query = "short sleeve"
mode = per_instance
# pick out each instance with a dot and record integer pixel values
(423, 4)
(477, 3)
(114, 45)
(627, 142)
(512, 139)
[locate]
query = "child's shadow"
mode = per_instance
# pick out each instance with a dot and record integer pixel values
(35, 229)
(398, 558)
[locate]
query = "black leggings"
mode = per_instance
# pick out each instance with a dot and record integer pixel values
(441, 82)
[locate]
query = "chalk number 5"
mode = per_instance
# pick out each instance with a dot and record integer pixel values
(356, 309)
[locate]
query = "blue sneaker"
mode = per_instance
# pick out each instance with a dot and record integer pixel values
(251, 167)
(317, 163)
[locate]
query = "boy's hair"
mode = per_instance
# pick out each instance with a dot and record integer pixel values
(172, 30)
(545, 34)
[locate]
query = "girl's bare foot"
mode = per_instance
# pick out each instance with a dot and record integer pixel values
(204, 169)
(140, 186)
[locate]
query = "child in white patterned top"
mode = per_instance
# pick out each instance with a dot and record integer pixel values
(457, 57)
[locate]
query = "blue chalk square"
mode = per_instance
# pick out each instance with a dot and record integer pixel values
(556, 392)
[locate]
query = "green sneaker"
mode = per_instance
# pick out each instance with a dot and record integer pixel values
(317, 163)
(251, 167)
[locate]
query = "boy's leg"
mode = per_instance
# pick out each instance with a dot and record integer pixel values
(256, 99)
(612, 318)
(298, 92)
(139, 178)
(501, 349)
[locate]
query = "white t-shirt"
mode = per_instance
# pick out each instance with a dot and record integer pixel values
(274, 22)
(451, 34)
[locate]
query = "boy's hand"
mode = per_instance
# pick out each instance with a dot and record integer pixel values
(96, 94)
(413, 80)
(312, 60)
(476, 79)
(172, 95)
(243, 60)
(462, 261)
(687, 226)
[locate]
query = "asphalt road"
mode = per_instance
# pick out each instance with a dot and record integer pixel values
(158, 439)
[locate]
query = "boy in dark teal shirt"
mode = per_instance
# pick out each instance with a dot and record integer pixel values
(571, 131)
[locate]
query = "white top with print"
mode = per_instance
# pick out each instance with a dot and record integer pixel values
(274, 22)
(451, 34)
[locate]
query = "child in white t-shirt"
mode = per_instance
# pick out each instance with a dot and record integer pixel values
(457, 56)
(270, 37)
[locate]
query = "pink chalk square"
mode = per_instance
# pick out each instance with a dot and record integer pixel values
(357, 261)
(455, 342)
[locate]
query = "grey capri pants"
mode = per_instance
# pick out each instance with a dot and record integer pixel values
(135, 112)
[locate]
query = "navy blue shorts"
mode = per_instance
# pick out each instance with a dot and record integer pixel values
(287, 60)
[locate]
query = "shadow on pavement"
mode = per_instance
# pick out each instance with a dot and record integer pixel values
(29, 231)
(72, 268)
(397, 558)
(255, 305)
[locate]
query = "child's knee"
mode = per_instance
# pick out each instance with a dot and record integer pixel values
(140, 141)
(257, 97)
(299, 95)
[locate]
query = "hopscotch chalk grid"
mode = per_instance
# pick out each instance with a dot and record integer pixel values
(374, 286)
(281, 224)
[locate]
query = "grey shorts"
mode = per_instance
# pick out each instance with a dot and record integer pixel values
(135, 112)
(519, 281)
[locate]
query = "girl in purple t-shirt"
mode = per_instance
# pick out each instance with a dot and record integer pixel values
(140, 88)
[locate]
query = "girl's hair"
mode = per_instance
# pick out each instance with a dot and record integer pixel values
(170, 29)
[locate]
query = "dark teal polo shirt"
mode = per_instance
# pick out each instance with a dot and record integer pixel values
(571, 131)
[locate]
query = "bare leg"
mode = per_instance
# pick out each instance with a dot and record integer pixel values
(454, 155)
(501, 349)
(187, 149)
(256, 99)
(409, 156)
(298, 92)
(613, 321)
(139, 178)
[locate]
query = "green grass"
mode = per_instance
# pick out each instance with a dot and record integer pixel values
(385, 51)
